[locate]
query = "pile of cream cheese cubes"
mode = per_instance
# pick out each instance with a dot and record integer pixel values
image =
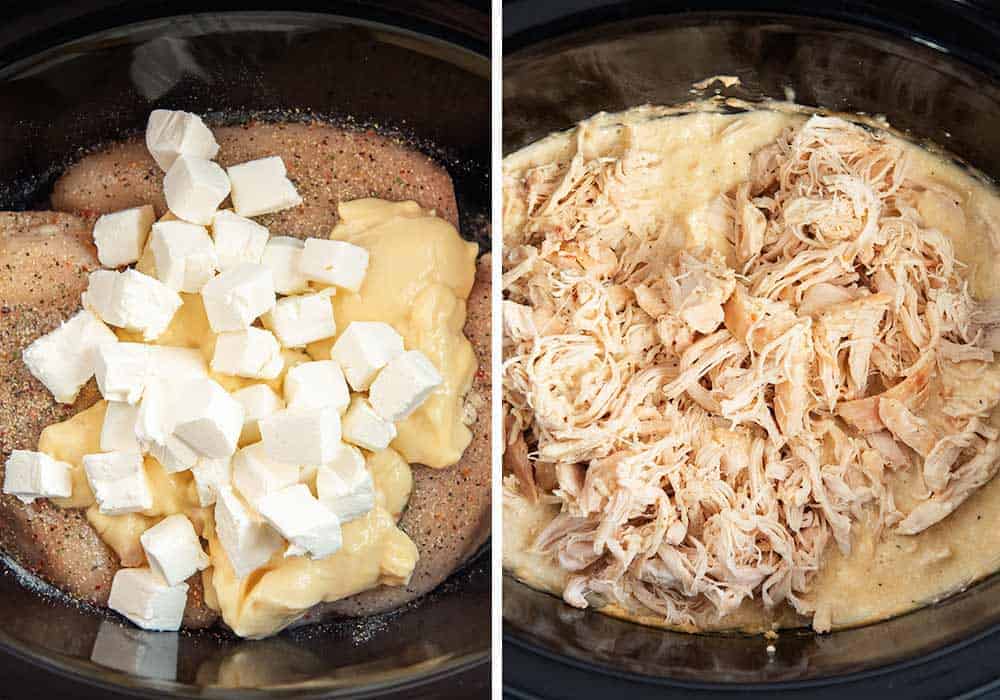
(162, 401)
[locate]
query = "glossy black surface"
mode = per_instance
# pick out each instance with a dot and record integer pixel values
(424, 76)
(566, 61)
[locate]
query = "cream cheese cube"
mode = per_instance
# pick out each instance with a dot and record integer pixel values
(237, 239)
(29, 475)
(297, 321)
(131, 300)
(316, 384)
(363, 349)
(171, 133)
(119, 482)
(256, 474)
(335, 262)
(194, 189)
(258, 401)
(261, 187)
(155, 422)
(145, 598)
(283, 256)
(121, 236)
(173, 549)
(122, 370)
(174, 455)
(172, 363)
(363, 427)
(403, 385)
(118, 429)
(345, 485)
(210, 475)
(249, 542)
(253, 353)
(65, 359)
(184, 255)
(209, 420)
(302, 520)
(301, 436)
(236, 297)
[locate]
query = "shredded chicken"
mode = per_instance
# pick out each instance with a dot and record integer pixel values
(710, 429)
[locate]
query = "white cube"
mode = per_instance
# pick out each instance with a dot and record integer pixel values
(170, 133)
(184, 255)
(209, 420)
(118, 429)
(297, 321)
(363, 349)
(315, 385)
(194, 188)
(363, 427)
(335, 262)
(172, 363)
(302, 520)
(253, 353)
(65, 359)
(261, 187)
(283, 257)
(301, 436)
(155, 422)
(122, 370)
(29, 475)
(173, 549)
(403, 385)
(121, 236)
(131, 300)
(255, 474)
(174, 455)
(345, 486)
(145, 598)
(236, 297)
(258, 401)
(119, 483)
(237, 239)
(248, 541)
(210, 475)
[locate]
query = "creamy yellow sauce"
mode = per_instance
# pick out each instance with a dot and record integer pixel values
(420, 274)
(705, 154)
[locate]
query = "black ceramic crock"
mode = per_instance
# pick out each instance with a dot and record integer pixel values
(933, 69)
(76, 74)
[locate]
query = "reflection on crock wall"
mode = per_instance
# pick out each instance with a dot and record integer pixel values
(748, 368)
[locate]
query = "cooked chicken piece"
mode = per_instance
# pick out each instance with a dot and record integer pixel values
(961, 352)
(863, 414)
(791, 396)
(518, 322)
(754, 321)
(700, 358)
(888, 448)
(964, 482)
(515, 461)
(857, 322)
(910, 429)
(824, 297)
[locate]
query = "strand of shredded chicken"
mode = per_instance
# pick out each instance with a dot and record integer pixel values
(707, 428)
